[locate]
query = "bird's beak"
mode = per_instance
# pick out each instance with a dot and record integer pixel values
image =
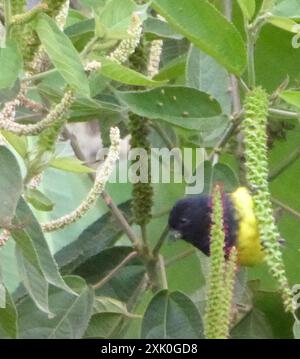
(175, 235)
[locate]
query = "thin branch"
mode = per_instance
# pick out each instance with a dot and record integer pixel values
(115, 270)
(180, 256)
(161, 241)
(123, 223)
(284, 113)
(163, 274)
(286, 208)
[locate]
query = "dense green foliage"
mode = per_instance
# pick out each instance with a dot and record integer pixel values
(174, 74)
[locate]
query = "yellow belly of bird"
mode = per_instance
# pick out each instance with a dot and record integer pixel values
(249, 247)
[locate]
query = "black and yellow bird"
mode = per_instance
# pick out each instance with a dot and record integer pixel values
(190, 219)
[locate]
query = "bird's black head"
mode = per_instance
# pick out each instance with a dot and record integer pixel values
(190, 219)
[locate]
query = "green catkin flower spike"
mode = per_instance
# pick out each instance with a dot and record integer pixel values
(229, 281)
(142, 193)
(218, 307)
(254, 128)
(48, 138)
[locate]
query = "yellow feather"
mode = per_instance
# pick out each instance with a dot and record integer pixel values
(249, 247)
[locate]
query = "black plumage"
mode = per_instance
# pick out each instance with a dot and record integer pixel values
(191, 219)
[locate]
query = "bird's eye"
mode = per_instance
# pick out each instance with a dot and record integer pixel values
(183, 220)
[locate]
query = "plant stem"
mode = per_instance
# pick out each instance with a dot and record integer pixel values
(115, 270)
(144, 236)
(163, 274)
(284, 114)
(250, 55)
(106, 197)
(180, 256)
(285, 164)
(286, 208)
(160, 241)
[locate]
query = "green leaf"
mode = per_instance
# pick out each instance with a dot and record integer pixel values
(287, 8)
(10, 64)
(160, 29)
(71, 313)
(116, 16)
(205, 74)
(38, 200)
(206, 28)
(180, 106)
(171, 316)
(36, 263)
(70, 164)
(253, 326)
(296, 329)
(114, 71)
(291, 97)
(19, 143)
(30, 271)
(122, 285)
(276, 45)
(8, 318)
(101, 234)
(173, 69)
(284, 23)
(248, 8)
(62, 53)
(111, 305)
(103, 325)
(11, 185)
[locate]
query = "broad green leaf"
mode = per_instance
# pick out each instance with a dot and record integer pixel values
(206, 28)
(253, 326)
(70, 164)
(38, 200)
(62, 53)
(276, 45)
(205, 74)
(172, 69)
(11, 185)
(80, 28)
(103, 325)
(19, 143)
(93, 3)
(291, 97)
(296, 329)
(10, 64)
(180, 106)
(122, 285)
(111, 305)
(83, 109)
(101, 234)
(219, 173)
(38, 267)
(8, 318)
(116, 16)
(114, 71)
(10, 94)
(270, 305)
(287, 8)
(171, 316)
(248, 8)
(284, 23)
(71, 313)
(159, 28)
(30, 271)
